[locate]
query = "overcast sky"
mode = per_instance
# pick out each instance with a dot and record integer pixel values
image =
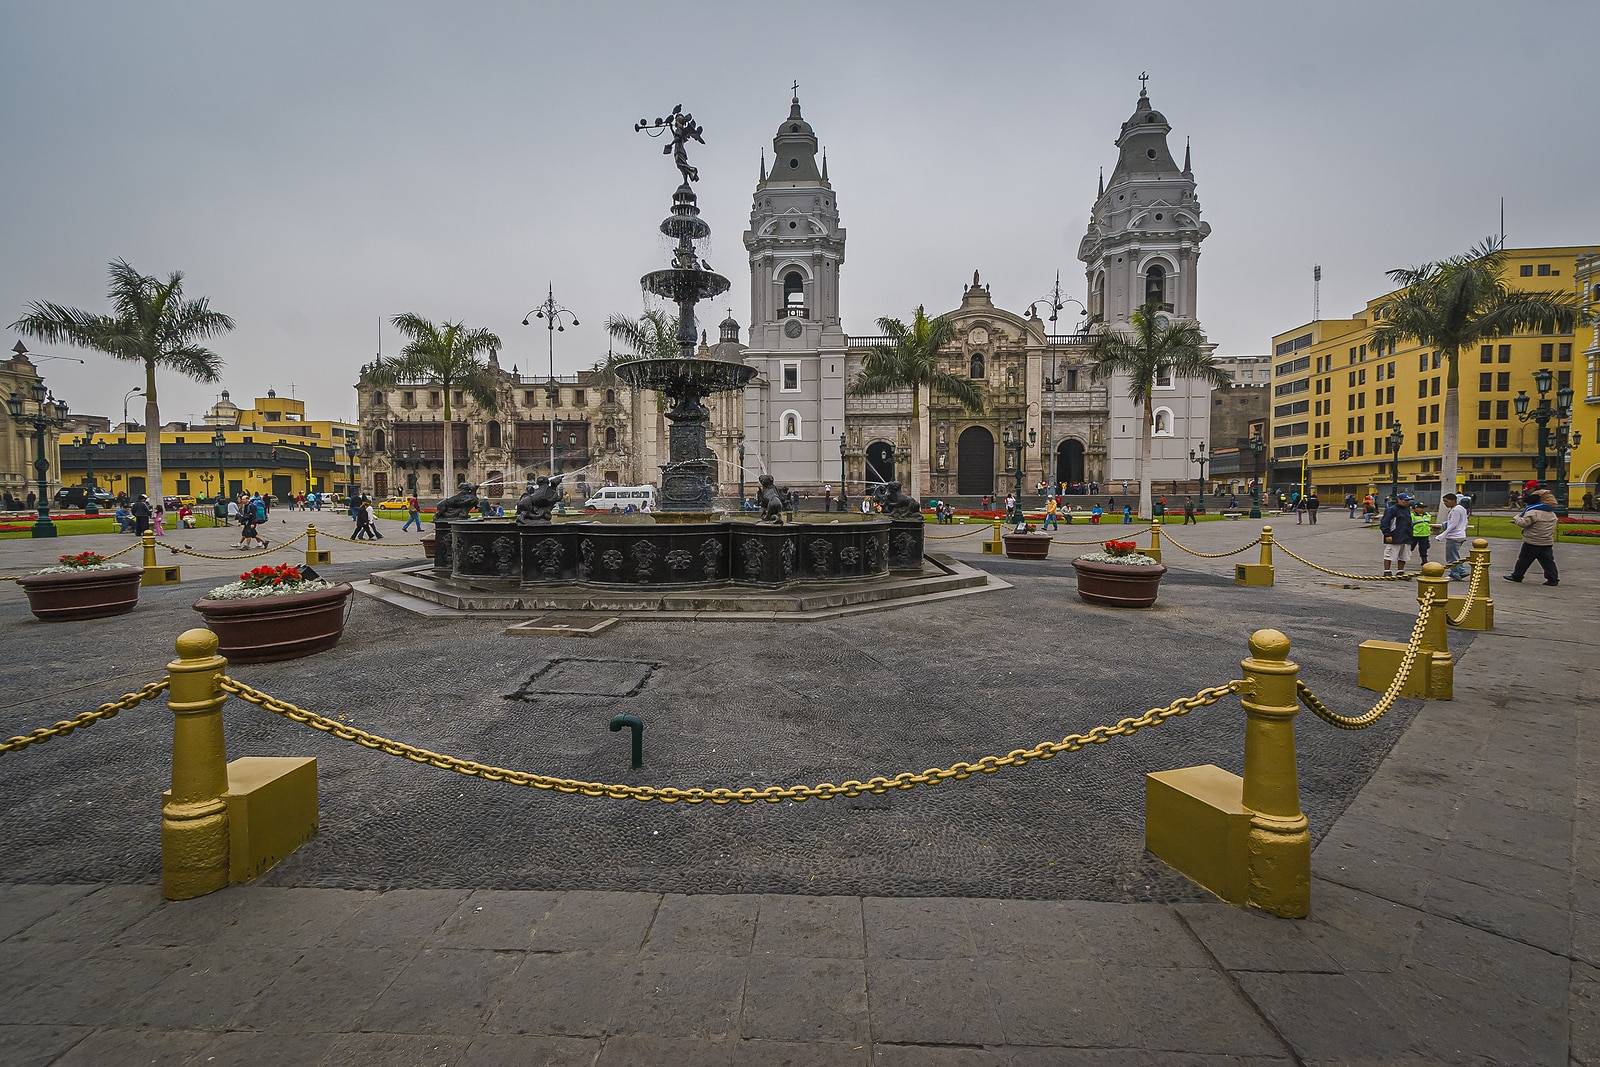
(315, 167)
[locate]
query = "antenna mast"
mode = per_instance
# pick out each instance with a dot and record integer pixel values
(1316, 292)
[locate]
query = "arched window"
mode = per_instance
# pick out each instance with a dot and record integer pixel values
(494, 434)
(611, 437)
(1163, 419)
(378, 441)
(1155, 284)
(975, 369)
(435, 481)
(789, 426)
(611, 396)
(377, 399)
(794, 295)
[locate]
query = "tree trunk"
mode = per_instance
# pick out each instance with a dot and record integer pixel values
(449, 439)
(1146, 441)
(1450, 436)
(916, 439)
(152, 436)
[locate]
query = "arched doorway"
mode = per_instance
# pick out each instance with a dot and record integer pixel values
(1069, 462)
(975, 462)
(880, 463)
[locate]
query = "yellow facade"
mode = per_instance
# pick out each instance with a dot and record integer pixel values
(1335, 397)
(1585, 470)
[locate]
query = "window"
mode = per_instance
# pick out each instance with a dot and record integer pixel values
(1485, 382)
(1502, 409)
(435, 481)
(1438, 358)
(1163, 423)
(1422, 414)
(378, 441)
(790, 426)
(1564, 352)
(1164, 378)
(1526, 270)
(611, 396)
(528, 399)
(1388, 395)
(408, 399)
(1361, 447)
(1483, 409)
(435, 399)
(1433, 388)
(457, 397)
(555, 397)
(975, 366)
(1433, 439)
(1422, 363)
(1351, 383)
(1500, 438)
(1361, 423)
(791, 377)
(1072, 379)
(1155, 284)
(1422, 441)
(1486, 354)
(377, 399)
(1361, 376)
(1504, 354)
(1433, 412)
(1547, 353)
(611, 437)
(577, 397)
(1563, 379)
(1502, 382)
(794, 295)
(1422, 388)
(493, 434)
(1544, 270)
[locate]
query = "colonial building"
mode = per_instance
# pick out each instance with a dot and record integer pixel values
(18, 439)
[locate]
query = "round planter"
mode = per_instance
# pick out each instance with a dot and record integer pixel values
(82, 594)
(258, 629)
(1027, 546)
(1118, 585)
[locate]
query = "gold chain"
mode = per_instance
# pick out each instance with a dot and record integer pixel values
(1385, 702)
(279, 547)
(1102, 539)
(771, 794)
(88, 718)
(951, 537)
(1401, 577)
(352, 541)
(1208, 555)
(1480, 572)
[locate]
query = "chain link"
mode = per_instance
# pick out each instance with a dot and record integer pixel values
(88, 718)
(279, 547)
(952, 537)
(1103, 538)
(771, 794)
(1169, 539)
(1292, 554)
(1385, 702)
(1475, 590)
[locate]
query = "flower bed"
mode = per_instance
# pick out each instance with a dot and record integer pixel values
(269, 580)
(1120, 576)
(82, 585)
(275, 612)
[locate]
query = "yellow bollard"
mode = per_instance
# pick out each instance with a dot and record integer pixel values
(1243, 838)
(1257, 574)
(994, 546)
(1433, 674)
(1280, 835)
(313, 555)
(157, 573)
(1154, 551)
(1479, 615)
(194, 812)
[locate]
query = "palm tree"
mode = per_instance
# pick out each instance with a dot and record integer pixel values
(1154, 348)
(152, 323)
(910, 359)
(445, 355)
(653, 335)
(1455, 304)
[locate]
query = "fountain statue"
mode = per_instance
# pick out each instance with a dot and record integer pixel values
(687, 478)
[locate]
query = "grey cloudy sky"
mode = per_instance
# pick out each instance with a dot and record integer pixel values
(313, 167)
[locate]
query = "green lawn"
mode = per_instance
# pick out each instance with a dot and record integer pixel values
(69, 527)
(1501, 526)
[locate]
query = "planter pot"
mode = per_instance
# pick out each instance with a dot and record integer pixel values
(428, 546)
(1027, 545)
(258, 629)
(1118, 585)
(82, 594)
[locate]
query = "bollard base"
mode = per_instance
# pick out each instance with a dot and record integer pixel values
(1153, 553)
(161, 575)
(1195, 821)
(994, 548)
(272, 810)
(1257, 574)
(1479, 617)
(320, 556)
(1432, 677)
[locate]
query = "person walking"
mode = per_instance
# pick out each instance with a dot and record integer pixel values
(358, 512)
(1188, 512)
(1127, 514)
(1396, 529)
(1050, 509)
(1454, 536)
(413, 514)
(158, 519)
(1312, 504)
(1350, 502)
(233, 513)
(1538, 522)
(141, 515)
(247, 529)
(1421, 530)
(1094, 515)
(370, 514)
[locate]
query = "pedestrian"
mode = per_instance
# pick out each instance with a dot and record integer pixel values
(141, 515)
(123, 519)
(844, 500)
(260, 510)
(1094, 515)
(233, 512)
(1050, 509)
(1538, 522)
(247, 529)
(1421, 530)
(1188, 512)
(1396, 529)
(413, 513)
(359, 514)
(1124, 487)
(1350, 502)
(370, 513)
(158, 521)
(1312, 504)
(1454, 536)
(1127, 514)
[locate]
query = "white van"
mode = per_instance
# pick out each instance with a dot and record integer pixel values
(620, 496)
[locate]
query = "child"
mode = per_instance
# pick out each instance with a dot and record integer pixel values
(156, 518)
(1094, 515)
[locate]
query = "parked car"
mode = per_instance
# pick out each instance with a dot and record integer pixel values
(77, 496)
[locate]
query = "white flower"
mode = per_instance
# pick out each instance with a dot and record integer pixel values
(1128, 559)
(64, 569)
(240, 591)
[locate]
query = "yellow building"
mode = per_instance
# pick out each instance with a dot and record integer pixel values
(269, 448)
(1585, 467)
(1336, 399)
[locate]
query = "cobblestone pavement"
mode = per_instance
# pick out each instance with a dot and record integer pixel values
(1455, 913)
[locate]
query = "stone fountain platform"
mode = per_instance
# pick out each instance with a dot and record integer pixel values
(418, 590)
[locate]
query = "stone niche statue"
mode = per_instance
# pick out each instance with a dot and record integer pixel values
(534, 506)
(898, 505)
(770, 499)
(460, 505)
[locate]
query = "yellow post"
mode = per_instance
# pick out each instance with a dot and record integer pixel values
(1257, 574)
(194, 813)
(1154, 551)
(1280, 836)
(313, 555)
(994, 546)
(1479, 614)
(157, 573)
(1433, 673)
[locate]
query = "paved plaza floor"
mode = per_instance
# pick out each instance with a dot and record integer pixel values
(1007, 919)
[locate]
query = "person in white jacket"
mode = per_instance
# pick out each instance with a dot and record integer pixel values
(1454, 536)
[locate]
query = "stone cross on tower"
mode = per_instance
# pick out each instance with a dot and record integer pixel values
(1144, 77)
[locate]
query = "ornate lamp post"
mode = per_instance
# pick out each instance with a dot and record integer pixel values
(1055, 302)
(1016, 441)
(1397, 438)
(1201, 459)
(552, 313)
(218, 440)
(1560, 413)
(1257, 446)
(350, 454)
(841, 469)
(410, 462)
(91, 506)
(48, 414)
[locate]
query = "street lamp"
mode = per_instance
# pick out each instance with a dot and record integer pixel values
(135, 391)
(91, 506)
(218, 439)
(48, 414)
(410, 460)
(1561, 439)
(741, 470)
(1056, 303)
(1397, 438)
(350, 454)
(1257, 446)
(1201, 459)
(1015, 442)
(841, 469)
(552, 312)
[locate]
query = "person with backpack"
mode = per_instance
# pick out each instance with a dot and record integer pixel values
(1312, 504)
(413, 514)
(247, 528)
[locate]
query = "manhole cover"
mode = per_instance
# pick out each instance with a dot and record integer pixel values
(570, 676)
